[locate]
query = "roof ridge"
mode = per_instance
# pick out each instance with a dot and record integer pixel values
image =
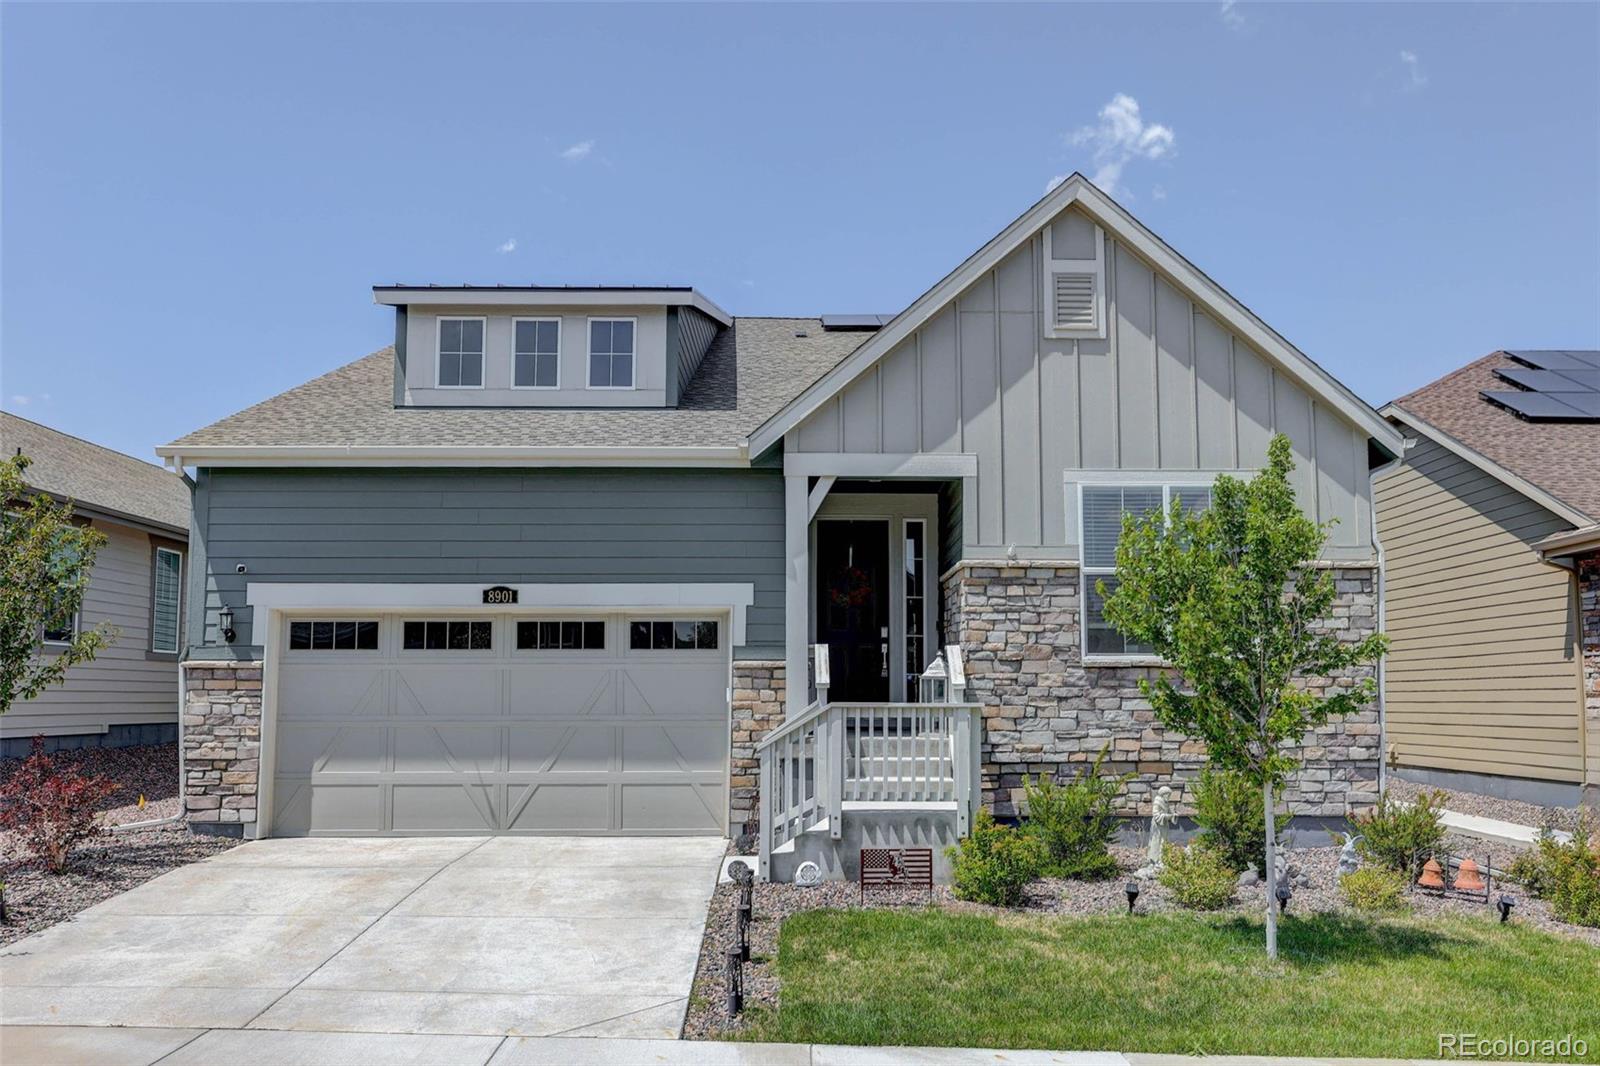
(85, 440)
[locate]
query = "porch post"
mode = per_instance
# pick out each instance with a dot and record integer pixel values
(797, 575)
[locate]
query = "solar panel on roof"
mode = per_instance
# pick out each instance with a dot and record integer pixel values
(867, 323)
(1557, 385)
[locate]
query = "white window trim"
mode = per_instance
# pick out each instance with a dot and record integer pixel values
(926, 637)
(77, 627)
(438, 346)
(1088, 574)
(588, 348)
(177, 629)
(541, 318)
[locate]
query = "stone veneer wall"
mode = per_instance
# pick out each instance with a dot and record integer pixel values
(758, 696)
(221, 744)
(1589, 612)
(1045, 711)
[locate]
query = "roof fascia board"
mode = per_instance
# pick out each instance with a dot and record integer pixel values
(875, 464)
(179, 456)
(551, 298)
(1077, 189)
(1573, 542)
(95, 512)
(1487, 465)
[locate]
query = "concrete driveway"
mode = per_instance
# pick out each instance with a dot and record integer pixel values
(463, 936)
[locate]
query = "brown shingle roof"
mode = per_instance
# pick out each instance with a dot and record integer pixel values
(1562, 458)
(751, 370)
(97, 477)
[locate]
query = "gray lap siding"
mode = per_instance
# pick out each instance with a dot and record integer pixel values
(556, 525)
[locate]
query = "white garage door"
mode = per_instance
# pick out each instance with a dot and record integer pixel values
(398, 724)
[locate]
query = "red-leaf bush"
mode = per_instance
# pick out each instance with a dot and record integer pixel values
(52, 808)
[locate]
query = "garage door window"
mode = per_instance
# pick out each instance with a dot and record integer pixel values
(448, 636)
(653, 635)
(333, 636)
(561, 636)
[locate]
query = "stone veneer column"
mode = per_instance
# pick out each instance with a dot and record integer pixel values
(758, 707)
(1044, 710)
(221, 739)
(1589, 613)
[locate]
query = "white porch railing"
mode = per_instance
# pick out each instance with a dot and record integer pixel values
(838, 753)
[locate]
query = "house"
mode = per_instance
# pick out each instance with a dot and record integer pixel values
(557, 559)
(128, 694)
(1491, 537)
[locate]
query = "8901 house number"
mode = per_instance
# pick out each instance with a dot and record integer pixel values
(500, 594)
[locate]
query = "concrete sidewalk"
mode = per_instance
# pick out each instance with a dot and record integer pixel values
(61, 1045)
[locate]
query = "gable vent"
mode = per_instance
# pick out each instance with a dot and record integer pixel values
(1073, 300)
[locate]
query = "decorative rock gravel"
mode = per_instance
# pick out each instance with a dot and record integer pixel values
(707, 1018)
(110, 862)
(1490, 807)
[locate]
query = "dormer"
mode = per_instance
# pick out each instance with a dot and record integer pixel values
(547, 346)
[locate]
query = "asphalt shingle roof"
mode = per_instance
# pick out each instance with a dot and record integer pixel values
(750, 372)
(67, 466)
(1562, 458)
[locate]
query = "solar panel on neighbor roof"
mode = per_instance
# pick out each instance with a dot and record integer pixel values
(855, 322)
(1557, 385)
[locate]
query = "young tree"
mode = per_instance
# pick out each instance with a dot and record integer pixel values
(1232, 598)
(45, 559)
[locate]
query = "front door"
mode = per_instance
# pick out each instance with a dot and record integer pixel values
(853, 607)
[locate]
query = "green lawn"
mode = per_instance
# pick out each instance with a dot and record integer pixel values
(1175, 983)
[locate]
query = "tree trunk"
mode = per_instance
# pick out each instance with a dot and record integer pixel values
(1272, 876)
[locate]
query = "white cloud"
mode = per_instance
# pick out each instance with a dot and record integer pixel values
(1053, 182)
(1121, 136)
(1232, 17)
(1158, 193)
(21, 400)
(1417, 79)
(509, 246)
(579, 151)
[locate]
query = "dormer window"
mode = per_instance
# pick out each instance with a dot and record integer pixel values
(611, 353)
(537, 353)
(460, 353)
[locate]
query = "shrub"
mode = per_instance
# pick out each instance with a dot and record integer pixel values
(1374, 889)
(1400, 837)
(1076, 820)
(994, 863)
(1197, 876)
(1566, 875)
(1230, 812)
(52, 808)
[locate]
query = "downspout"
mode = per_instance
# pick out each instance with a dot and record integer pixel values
(1383, 604)
(153, 823)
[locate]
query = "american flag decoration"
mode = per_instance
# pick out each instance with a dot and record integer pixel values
(896, 868)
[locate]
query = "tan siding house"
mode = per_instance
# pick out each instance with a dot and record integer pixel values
(1485, 683)
(128, 694)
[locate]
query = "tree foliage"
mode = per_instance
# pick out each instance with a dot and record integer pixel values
(1232, 597)
(45, 560)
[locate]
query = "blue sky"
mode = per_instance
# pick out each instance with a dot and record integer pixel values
(197, 198)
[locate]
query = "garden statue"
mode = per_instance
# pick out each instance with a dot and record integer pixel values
(1349, 858)
(1161, 817)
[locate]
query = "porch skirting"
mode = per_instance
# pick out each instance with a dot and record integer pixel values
(1046, 711)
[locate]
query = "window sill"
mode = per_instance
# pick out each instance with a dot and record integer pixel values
(1125, 660)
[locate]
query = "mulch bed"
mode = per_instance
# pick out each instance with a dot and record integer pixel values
(108, 863)
(707, 1018)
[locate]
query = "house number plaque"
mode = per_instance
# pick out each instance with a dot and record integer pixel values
(500, 594)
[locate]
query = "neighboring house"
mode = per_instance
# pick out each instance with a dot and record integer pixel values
(128, 694)
(1491, 538)
(554, 562)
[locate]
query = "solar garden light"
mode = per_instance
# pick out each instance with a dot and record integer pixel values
(735, 983)
(1132, 890)
(745, 915)
(1505, 904)
(1284, 895)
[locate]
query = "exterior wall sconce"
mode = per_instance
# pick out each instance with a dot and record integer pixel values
(225, 622)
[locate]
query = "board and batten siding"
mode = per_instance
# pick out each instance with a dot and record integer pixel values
(488, 526)
(1483, 673)
(1167, 389)
(123, 684)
